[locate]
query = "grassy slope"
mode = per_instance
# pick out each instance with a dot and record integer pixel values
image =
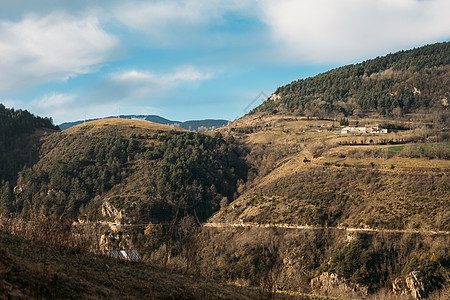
(75, 140)
(358, 186)
(33, 270)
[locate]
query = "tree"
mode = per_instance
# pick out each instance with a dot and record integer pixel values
(6, 198)
(397, 112)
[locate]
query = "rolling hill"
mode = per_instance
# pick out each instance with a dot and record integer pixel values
(188, 125)
(150, 170)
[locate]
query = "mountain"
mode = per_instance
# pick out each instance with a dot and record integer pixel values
(20, 136)
(398, 83)
(188, 125)
(352, 207)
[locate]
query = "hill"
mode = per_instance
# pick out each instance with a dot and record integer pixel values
(331, 194)
(367, 208)
(311, 172)
(35, 270)
(149, 170)
(188, 125)
(398, 83)
(310, 175)
(21, 134)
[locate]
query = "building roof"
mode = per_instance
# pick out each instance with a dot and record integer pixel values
(132, 255)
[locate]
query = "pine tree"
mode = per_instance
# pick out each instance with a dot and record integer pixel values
(6, 198)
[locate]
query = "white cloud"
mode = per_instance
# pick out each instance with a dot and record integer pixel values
(348, 30)
(72, 107)
(175, 22)
(136, 84)
(12, 103)
(55, 105)
(134, 91)
(187, 73)
(160, 16)
(53, 102)
(54, 47)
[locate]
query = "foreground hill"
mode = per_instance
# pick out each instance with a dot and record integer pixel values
(35, 270)
(394, 84)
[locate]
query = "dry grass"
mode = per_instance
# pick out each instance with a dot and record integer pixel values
(42, 268)
(121, 125)
(382, 185)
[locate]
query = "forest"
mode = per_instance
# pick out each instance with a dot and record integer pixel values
(406, 81)
(186, 173)
(19, 146)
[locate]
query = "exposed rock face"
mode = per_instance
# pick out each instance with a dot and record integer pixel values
(329, 282)
(413, 284)
(275, 97)
(109, 211)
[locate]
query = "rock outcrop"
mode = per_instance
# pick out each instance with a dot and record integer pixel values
(109, 211)
(413, 284)
(330, 282)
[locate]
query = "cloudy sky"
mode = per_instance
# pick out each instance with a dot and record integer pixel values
(191, 59)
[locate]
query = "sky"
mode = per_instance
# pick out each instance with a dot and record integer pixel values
(191, 59)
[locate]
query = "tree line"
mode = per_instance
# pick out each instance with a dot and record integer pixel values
(347, 89)
(17, 144)
(185, 173)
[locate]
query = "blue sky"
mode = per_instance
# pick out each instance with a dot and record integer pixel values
(191, 59)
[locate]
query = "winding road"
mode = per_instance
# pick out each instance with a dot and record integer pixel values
(307, 227)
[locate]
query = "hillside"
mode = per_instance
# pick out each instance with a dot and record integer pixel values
(35, 270)
(350, 177)
(398, 83)
(309, 175)
(193, 125)
(151, 171)
(21, 134)
(369, 208)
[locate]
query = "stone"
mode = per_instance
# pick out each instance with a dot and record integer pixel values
(329, 281)
(413, 284)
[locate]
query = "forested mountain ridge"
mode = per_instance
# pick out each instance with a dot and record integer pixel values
(390, 85)
(21, 134)
(15, 122)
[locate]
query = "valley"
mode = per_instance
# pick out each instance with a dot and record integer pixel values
(335, 186)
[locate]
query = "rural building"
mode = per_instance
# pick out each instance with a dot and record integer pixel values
(359, 130)
(132, 255)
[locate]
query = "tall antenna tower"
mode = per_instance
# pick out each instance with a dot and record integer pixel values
(119, 112)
